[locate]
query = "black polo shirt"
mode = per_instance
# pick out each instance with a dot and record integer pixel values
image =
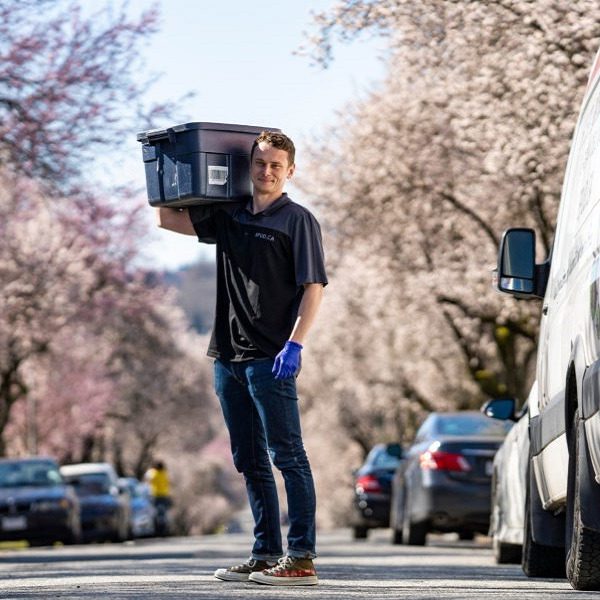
(263, 261)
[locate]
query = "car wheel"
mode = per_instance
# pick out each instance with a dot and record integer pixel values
(583, 556)
(539, 560)
(120, 533)
(396, 536)
(359, 532)
(72, 537)
(506, 554)
(413, 534)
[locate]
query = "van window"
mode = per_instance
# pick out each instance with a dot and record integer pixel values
(581, 191)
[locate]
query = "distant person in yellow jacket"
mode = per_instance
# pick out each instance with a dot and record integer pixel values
(158, 480)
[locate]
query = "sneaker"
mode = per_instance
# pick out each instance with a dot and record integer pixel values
(288, 571)
(242, 572)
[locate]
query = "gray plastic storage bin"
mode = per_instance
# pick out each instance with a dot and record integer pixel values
(198, 163)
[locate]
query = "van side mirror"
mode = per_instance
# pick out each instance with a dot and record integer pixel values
(517, 272)
(503, 409)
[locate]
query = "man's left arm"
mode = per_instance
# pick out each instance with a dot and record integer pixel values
(307, 311)
(287, 362)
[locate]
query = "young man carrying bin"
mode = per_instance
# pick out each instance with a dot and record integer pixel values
(270, 279)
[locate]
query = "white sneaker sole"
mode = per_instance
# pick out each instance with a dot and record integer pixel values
(225, 575)
(259, 577)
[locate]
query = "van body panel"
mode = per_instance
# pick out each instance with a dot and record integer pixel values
(570, 323)
(551, 473)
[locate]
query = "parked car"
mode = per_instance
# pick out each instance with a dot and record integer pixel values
(105, 511)
(444, 483)
(143, 511)
(35, 503)
(372, 488)
(563, 488)
(509, 479)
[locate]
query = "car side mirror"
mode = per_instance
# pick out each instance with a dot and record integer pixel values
(503, 409)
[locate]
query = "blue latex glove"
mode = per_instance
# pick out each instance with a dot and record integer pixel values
(287, 362)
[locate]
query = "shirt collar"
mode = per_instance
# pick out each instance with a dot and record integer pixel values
(274, 206)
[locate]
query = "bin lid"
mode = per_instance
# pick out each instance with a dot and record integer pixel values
(154, 134)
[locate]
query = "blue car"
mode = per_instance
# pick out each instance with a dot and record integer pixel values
(35, 503)
(105, 510)
(143, 511)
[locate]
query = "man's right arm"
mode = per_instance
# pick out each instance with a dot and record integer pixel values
(174, 219)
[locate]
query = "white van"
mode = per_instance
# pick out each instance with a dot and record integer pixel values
(562, 513)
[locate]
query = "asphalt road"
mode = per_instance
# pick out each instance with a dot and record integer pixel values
(181, 568)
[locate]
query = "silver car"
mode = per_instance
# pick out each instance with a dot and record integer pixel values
(509, 480)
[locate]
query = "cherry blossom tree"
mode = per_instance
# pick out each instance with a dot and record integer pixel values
(163, 380)
(467, 134)
(58, 276)
(67, 84)
(41, 291)
(96, 359)
(64, 413)
(66, 254)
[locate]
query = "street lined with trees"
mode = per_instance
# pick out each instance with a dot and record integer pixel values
(414, 184)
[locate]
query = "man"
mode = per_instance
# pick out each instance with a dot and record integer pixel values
(270, 280)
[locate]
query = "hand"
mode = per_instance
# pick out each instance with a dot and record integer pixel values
(287, 362)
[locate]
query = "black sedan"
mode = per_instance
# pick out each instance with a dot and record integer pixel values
(372, 486)
(35, 503)
(444, 484)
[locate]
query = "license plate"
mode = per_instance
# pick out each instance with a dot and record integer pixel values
(489, 467)
(14, 523)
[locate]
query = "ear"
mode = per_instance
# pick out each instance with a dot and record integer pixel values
(291, 171)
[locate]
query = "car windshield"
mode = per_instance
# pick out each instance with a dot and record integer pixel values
(388, 457)
(386, 461)
(16, 474)
(471, 424)
(141, 490)
(90, 484)
(137, 489)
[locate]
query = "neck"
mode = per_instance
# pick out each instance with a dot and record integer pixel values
(262, 201)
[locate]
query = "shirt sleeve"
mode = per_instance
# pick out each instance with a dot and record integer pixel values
(309, 258)
(203, 220)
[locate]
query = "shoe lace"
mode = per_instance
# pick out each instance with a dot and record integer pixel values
(284, 563)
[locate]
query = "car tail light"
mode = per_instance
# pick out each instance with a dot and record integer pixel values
(437, 460)
(368, 484)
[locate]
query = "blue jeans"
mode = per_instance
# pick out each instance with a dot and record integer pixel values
(262, 416)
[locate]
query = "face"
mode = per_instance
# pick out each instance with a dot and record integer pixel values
(270, 170)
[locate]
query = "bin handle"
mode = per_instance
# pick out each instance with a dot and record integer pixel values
(156, 136)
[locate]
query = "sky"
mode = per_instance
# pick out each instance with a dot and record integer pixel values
(237, 56)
